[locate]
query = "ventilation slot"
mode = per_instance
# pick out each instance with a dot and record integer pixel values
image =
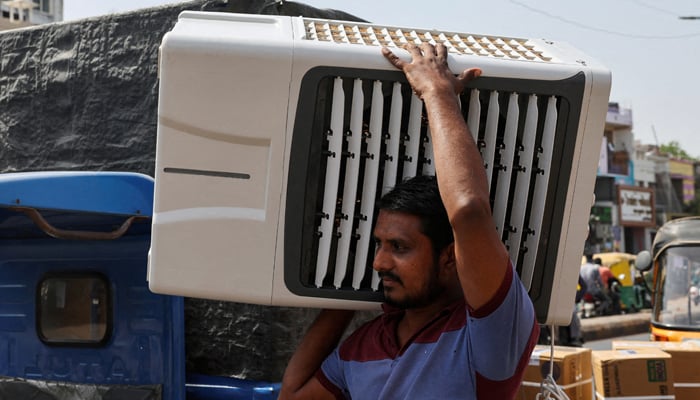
(368, 133)
(459, 43)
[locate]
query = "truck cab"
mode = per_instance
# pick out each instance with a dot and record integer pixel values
(76, 317)
(674, 265)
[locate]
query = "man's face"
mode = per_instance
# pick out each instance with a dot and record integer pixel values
(405, 261)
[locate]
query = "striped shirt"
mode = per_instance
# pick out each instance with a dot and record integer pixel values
(460, 354)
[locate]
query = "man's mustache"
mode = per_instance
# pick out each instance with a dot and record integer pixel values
(390, 275)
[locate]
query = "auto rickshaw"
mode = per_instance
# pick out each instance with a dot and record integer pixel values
(674, 261)
(622, 266)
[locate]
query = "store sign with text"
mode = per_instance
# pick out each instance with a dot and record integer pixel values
(636, 206)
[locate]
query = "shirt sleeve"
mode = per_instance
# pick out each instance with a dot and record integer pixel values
(331, 375)
(502, 335)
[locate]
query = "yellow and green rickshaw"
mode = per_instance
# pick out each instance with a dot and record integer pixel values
(631, 290)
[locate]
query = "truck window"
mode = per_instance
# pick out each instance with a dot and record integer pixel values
(73, 309)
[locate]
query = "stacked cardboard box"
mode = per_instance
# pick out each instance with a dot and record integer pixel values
(571, 370)
(686, 364)
(643, 374)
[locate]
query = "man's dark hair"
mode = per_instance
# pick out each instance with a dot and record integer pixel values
(419, 196)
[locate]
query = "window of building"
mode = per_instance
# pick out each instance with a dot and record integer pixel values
(74, 309)
(43, 5)
(605, 189)
(15, 15)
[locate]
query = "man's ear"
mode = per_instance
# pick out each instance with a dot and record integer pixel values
(447, 257)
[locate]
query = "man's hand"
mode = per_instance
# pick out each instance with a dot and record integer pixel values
(428, 69)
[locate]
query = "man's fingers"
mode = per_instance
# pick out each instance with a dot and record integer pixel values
(414, 50)
(393, 59)
(426, 52)
(469, 74)
(441, 52)
(428, 49)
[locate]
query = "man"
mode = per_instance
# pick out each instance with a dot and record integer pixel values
(571, 335)
(458, 323)
(591, 276)
(596, 278)
(611, 287)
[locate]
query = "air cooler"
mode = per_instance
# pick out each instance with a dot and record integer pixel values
(276, 136)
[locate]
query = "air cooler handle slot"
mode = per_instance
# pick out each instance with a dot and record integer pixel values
(58, 233)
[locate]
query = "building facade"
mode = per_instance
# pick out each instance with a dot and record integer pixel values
(637, 189)
(21, 13)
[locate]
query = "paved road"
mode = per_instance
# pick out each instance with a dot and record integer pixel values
(606, 344)
(599, 328)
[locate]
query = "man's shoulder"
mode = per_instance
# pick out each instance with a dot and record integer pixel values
(372, 326)
(368, 342)
(589, 269)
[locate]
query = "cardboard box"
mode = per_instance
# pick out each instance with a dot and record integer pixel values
(646, 373)
(571, 371)
(686, 364)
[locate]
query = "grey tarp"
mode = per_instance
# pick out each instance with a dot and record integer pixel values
(83, 96)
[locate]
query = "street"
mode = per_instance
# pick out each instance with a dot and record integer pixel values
(606, 344)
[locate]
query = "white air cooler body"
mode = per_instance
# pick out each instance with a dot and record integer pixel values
(277, 134)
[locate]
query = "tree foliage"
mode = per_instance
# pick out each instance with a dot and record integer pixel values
(673, 149)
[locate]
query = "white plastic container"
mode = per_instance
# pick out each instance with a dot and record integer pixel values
(257, 202)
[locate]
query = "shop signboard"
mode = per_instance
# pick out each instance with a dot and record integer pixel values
(636, 206)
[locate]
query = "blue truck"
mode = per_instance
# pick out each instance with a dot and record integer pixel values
(77, 320)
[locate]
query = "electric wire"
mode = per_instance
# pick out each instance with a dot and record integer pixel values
(655, 8)
(602, 30)
(549, 390)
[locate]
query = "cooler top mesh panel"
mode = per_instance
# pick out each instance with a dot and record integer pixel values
(372, 35)
(358, 132)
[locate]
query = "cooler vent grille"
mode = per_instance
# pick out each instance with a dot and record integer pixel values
(370, 35)
(370, 134)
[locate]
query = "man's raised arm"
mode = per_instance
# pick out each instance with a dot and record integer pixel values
(481, 257)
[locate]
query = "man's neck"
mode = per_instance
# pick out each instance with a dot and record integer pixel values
(415, 319)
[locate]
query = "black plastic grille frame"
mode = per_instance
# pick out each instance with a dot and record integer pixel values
(358, 132)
